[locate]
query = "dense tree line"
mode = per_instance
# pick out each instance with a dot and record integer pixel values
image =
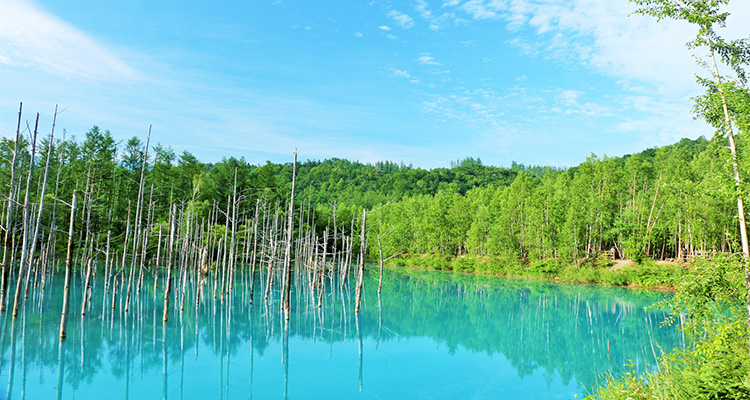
(658, 203)
(108, 173)
(661, 203)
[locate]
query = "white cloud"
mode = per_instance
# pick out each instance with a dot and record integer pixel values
(427, 59)
(423, 10)
(445, 19)
(403, 20)
(391, 37)
(384, 27)
(358, 34)
(478, 10)
(661, 128)
(438, 22)
(479, 108)
(33, 38)
(569, 99)
(602, 35)
(401, 73)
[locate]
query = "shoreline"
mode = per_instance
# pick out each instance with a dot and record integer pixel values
(652, 275)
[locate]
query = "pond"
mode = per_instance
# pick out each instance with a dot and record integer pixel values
(430, 335)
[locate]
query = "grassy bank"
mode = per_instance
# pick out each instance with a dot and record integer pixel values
(596, 271)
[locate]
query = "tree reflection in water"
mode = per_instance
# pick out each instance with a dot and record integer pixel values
(430, 334)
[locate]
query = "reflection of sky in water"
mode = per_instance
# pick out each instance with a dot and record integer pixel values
(437, 336)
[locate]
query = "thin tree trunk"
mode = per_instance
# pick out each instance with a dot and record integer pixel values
(361, 269)
(25, 243)
(737, 179)
(735, 166)
(138, 217)
(68, 270)
(168, 284)
(158, 260)
(9, 216)
(41, 200)
(86, 286)
(380, 249)
(271, 234)
(289, 237)
(255, 248)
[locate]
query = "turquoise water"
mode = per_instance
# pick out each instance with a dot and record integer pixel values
(431, 335)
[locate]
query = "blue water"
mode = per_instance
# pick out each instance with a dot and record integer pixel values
(431, 335)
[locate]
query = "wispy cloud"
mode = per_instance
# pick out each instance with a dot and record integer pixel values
(384, 28)
(479, 108)
(437, 22)
(427, 59)
(358, 34)
(569, 97)
(423, 9)
(401, 73)
(403, 20)
(478, 10)
(600, 34)
(451, 3)
(570, 102)
(33, 38)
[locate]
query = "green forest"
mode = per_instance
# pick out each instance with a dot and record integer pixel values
(663, 203)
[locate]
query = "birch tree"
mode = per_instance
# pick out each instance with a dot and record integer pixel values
(735, 54)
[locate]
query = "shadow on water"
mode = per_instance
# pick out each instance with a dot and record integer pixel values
(429, 335)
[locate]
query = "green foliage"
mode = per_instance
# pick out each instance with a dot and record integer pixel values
(472, 217)
(618, 278)
(713, 293)
(715, 364)
(645, 206)
(663, 275)
(514, 216)
(546, 268)
(711, 301)
(651, 275)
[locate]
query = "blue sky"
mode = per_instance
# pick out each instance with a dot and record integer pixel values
(426, 82)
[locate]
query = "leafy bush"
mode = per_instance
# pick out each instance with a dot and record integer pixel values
(493, 267)
(715, 363)
(590, 275)
(550, 267)
(464, 264)
(617, 278)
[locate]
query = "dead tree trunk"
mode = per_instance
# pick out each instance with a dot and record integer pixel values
(68, 270)
(9, 216)
(25, 243)
(361, 269)
(272, 257)
(138, 217)
(255, 248)
(289, 237)
(168, 284)
(86, 286)
(35, 235)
